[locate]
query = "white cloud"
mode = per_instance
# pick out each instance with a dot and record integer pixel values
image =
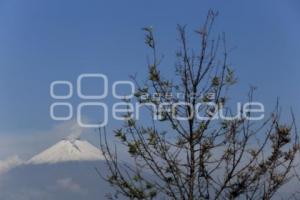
(9, 163)
(68, 184)
(69, 129)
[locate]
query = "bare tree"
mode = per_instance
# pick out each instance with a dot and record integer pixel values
(207, 158)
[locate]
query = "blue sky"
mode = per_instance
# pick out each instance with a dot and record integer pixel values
(42, 41)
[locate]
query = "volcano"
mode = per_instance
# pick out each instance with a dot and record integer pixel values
(64, 171)
(68, 150)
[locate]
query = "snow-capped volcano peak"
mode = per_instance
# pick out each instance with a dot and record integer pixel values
(68, 150)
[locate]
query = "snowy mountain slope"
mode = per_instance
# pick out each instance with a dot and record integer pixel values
(68, 150)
